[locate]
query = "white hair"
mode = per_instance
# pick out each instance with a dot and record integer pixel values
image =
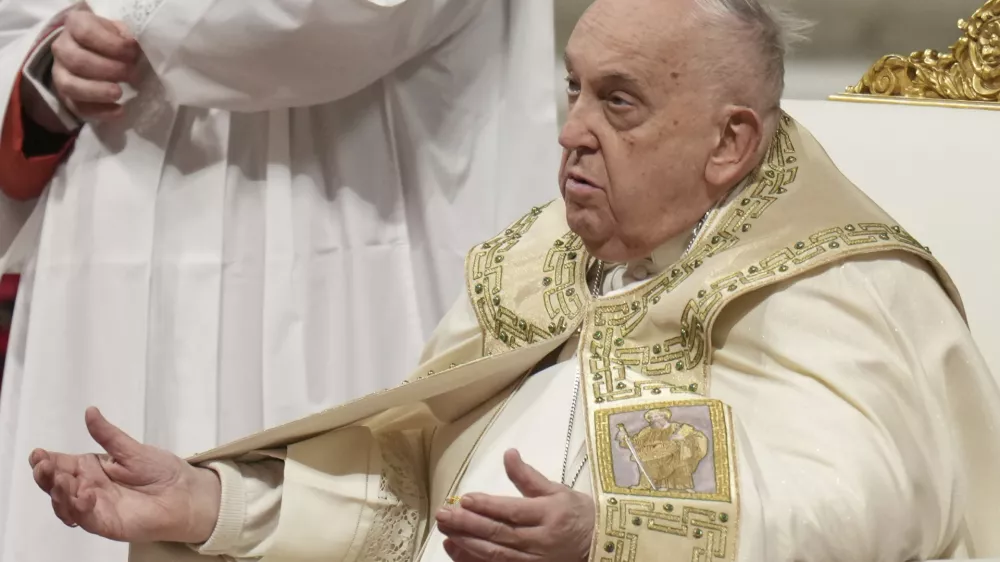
(772, 29)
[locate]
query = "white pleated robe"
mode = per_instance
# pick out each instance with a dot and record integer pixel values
(216, 263)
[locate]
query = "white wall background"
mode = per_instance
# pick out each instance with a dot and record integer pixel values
(847, 36)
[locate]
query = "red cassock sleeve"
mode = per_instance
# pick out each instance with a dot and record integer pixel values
(29, 155)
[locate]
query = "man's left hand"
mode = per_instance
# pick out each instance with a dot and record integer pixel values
(551, 522)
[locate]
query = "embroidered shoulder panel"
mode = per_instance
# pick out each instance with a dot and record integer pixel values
(545, 268)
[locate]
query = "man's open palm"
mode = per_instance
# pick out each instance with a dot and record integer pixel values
(134, 493)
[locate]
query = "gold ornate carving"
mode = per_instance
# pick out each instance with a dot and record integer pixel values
(970, 71)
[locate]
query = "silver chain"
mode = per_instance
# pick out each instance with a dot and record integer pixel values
(595, 290)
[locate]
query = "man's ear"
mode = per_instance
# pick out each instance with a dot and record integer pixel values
(736, 153)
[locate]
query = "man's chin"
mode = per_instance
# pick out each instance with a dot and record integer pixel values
(592, 230)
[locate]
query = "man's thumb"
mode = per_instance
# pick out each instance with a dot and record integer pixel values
(530, 482)
(115, 441)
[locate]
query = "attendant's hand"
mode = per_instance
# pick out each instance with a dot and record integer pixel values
(92, 56)
(135, 493)
(551, 523)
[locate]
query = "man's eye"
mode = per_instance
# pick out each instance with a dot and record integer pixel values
(572, 87)
(619, 102)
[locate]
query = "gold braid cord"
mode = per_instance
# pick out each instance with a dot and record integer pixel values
(970, 71)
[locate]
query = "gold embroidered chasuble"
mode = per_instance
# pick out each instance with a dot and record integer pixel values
(664, 479)
(649, 348)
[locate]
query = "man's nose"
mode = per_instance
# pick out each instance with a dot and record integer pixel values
(577, 134)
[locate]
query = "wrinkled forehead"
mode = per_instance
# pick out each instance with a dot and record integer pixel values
(634, 39)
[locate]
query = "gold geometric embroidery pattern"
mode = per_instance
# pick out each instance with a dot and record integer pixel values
(610, 358)
(564, 264)
(485, 265)
(709, 529)
(824, 246)
(690, 348)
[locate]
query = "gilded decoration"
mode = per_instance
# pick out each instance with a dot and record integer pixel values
(968, 72)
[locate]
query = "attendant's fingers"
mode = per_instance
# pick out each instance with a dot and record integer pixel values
(102, 36)
(97, 111)
(116, 442)
(87, 64)
(529, 482)
(122, 29)
(520, 512)
(479, 549)
(78, 89)
(44, 474)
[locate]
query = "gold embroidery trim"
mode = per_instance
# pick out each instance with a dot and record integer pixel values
(709, 529)
(485, 267)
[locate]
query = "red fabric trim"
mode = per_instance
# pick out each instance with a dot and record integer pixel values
(8, 287)
(21, 177)
(24, 178)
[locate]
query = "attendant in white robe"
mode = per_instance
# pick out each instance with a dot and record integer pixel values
(293, 185)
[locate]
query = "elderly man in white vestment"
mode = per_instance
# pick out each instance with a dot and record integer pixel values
(290, 185)
(713, 347)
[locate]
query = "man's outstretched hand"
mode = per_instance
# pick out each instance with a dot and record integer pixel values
(551, 523)
(134, 493)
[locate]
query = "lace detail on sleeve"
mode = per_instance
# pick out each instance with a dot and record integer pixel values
(397, 526)
(135, 13)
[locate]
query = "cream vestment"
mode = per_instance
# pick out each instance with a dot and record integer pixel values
(800, 385)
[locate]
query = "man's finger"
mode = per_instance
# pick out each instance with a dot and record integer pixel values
(62, 512)
(520, 512)
(529, 482)
(61, 498)
(461, 521)
(44, 474)
(87, 64)
(78, 89)
(116, 442)
(479, 549)
(457, 554)
(37, 456)
(101, 36)
(82, 505)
